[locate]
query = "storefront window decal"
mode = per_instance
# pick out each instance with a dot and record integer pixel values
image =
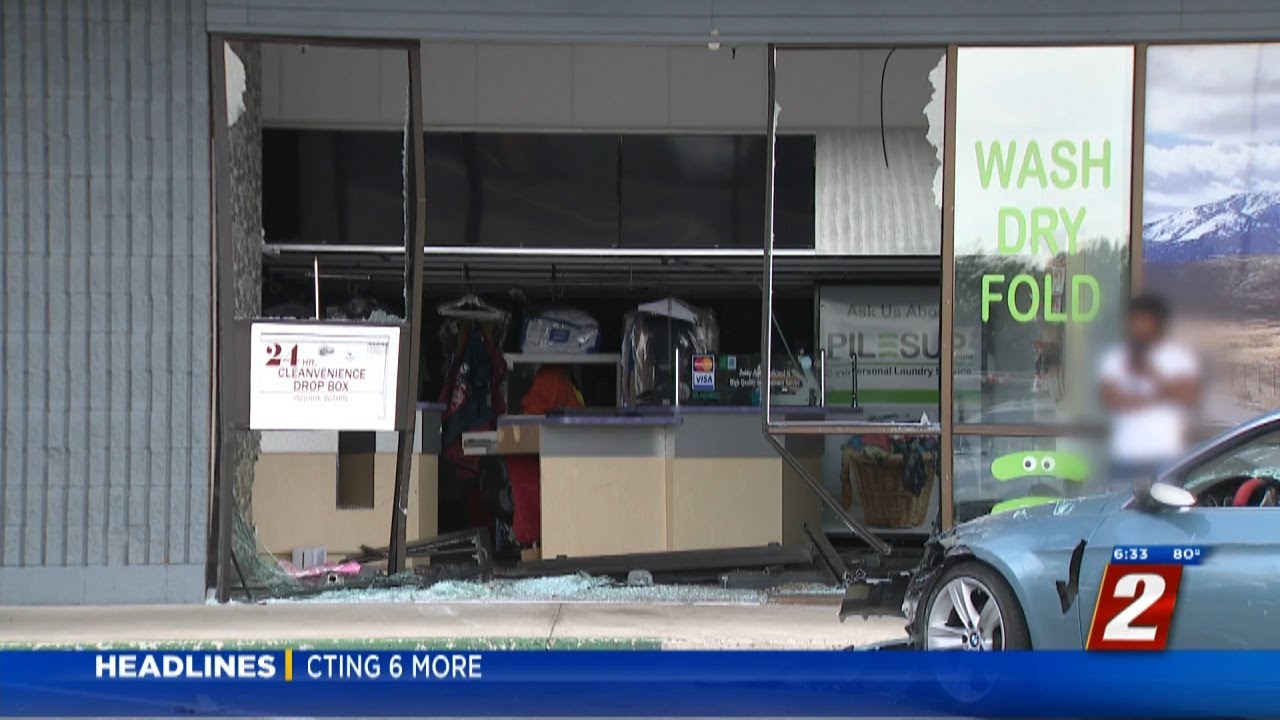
(1040, 463)
(1052, 229)
(1043, 154)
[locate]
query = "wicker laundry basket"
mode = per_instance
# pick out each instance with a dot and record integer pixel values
(885, 503)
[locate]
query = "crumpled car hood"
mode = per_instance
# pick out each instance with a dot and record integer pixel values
(1082, 507)
(1040, 541)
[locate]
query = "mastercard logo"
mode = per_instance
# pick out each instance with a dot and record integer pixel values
(704, 363)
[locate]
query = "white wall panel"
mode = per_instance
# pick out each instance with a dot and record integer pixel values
(327, 86)
(906, 86)
(393, 86)
(621, 86)
(524, 86)
(721, 89)
(820, 89)
(449, 89)
(594, 87)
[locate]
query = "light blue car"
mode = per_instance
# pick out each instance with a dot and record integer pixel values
(1031, 578)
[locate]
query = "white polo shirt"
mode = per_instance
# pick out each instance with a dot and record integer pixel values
(1158, 432)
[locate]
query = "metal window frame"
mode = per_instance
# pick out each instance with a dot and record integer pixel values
(833, 427)
(946, 503)
(771, 429)
(228, 367)
(1137, 165)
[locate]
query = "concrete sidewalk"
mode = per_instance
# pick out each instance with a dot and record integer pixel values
(811, 625)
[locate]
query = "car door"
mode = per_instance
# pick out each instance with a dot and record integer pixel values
(1228, 597)
(1229, 600)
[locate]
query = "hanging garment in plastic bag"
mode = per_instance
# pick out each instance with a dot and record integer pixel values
(560, 331)
(651, 337)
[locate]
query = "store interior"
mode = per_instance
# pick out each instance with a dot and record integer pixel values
(594, 227)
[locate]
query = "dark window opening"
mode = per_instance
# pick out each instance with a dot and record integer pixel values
(539, 190)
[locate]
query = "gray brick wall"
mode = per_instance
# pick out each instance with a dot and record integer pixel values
(105, 350)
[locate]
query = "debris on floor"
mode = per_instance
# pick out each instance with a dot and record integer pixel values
(324, 570)
(564, 588)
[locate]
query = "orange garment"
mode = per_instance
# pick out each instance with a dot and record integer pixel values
(551, 390)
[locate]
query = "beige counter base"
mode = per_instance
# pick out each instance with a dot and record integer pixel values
(295, 503)
(603, 506)
(622, 505)
(725, 502)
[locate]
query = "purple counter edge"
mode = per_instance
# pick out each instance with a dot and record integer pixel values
(649, 415)
(592, 420)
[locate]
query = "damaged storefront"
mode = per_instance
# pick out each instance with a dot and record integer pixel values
(569, 377)
(736, 297)
(587, 352)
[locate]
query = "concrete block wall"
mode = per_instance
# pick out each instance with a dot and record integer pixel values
(105, 364)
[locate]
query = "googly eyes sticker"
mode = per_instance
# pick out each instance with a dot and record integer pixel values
(1038, 463)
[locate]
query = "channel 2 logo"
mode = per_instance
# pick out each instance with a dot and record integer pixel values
(1138, 596)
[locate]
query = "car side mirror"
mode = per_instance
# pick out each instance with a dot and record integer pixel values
(1158, 495)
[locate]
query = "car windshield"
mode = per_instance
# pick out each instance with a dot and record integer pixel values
(1259, 457)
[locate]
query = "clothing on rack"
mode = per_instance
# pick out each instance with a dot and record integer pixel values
(560, 331)
(357, 308)
(652, 335)
(470, 307)
(472, 395)
(551, 390)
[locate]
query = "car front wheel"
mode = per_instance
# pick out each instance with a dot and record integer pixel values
(972, 608)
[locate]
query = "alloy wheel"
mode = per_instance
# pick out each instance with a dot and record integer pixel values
(964, 616)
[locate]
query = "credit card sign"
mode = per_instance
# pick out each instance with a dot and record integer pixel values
(704, 372)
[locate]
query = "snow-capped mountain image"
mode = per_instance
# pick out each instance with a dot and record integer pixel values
(1244, 224)
(1211, 213)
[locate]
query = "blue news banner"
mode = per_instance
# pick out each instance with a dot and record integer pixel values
(592, 683)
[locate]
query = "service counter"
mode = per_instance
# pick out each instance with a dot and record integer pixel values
(663, 479)
(335, 490)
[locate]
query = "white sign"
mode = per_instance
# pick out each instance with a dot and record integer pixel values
(894, 332)
(323, 377)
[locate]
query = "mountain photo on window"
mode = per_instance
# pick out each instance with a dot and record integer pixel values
(1211, 212)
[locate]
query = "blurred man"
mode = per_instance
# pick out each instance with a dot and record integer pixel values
(1151, 385)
